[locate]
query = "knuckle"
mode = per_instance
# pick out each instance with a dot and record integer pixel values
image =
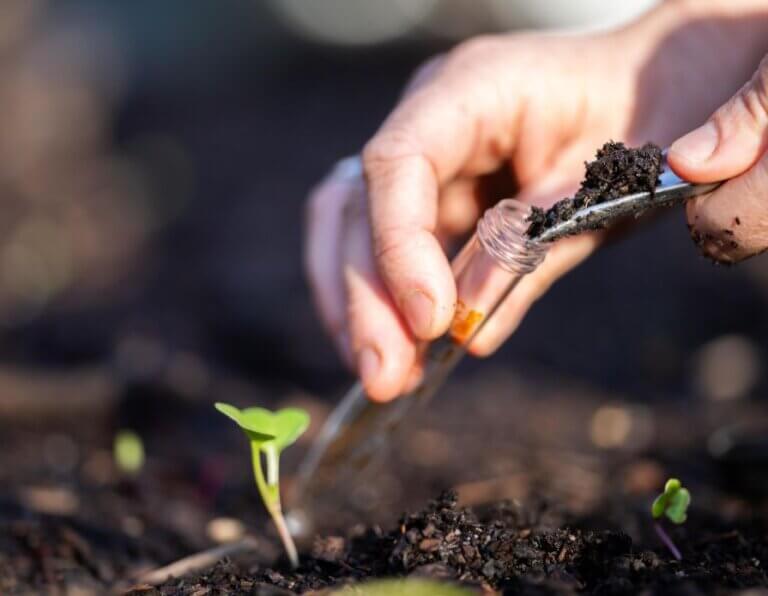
(752, 99)
(386, 148)
(391, 246)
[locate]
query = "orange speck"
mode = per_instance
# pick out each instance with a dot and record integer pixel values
(465, 322)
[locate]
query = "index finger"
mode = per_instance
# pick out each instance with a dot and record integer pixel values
(428, 140)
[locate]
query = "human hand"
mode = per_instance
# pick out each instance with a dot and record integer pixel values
(731, 223)
(535, 106)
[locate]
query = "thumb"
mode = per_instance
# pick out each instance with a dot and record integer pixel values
(731, 223)
(731, 141)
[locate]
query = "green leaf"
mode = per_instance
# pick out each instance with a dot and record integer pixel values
(659, 505)
(282, 428)
(678, 506)
(290, 424)
(250, 424)
(673, 502)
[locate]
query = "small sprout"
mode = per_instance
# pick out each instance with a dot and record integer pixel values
(269, 433)
(128, 452)
(673, 504)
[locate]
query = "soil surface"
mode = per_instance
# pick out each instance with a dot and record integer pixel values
(540, 512)
(508, 548)
(617, 170)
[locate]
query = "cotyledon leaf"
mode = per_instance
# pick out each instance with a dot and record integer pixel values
(256, 432)
(678, 506)
(280, 428)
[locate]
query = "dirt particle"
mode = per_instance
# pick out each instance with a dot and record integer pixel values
(429, 545)
(330, 548)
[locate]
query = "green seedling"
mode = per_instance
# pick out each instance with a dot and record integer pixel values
(269, 433)
(673, 504)
(128, 452)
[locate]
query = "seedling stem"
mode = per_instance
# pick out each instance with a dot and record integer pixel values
(269, 489)
(661, 533)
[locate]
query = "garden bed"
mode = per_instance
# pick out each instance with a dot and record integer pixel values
(548, 512)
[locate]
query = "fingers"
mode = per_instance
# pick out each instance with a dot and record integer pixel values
(354, 305)
(403, 202)
(731, 141)
(427, 141)
(731, 223)
(382, 346)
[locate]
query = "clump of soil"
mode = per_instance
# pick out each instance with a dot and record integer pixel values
(616, 171)
(503, 548)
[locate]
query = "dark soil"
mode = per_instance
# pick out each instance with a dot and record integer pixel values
(89, 531)
(505, 548)
(617, 170)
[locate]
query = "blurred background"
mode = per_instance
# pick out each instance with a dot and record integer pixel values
(154, 162)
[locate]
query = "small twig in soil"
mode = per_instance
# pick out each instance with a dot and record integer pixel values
(198, 561)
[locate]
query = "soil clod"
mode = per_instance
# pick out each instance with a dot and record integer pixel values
(617, 170)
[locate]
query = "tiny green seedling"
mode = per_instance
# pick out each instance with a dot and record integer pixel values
(269, 433)
(673, 504)
(128, 452)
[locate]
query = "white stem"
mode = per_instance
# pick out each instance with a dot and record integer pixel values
(273, 464)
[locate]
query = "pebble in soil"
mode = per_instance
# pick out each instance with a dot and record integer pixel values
(501, 549)
(617, 170)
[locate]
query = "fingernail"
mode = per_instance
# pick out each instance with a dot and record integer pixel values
(698, 145)
(419, 310)
(368, 363)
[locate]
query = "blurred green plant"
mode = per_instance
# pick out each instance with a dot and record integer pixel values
(269, 433)
(673, 504)
(128, 452)
(403, 587)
